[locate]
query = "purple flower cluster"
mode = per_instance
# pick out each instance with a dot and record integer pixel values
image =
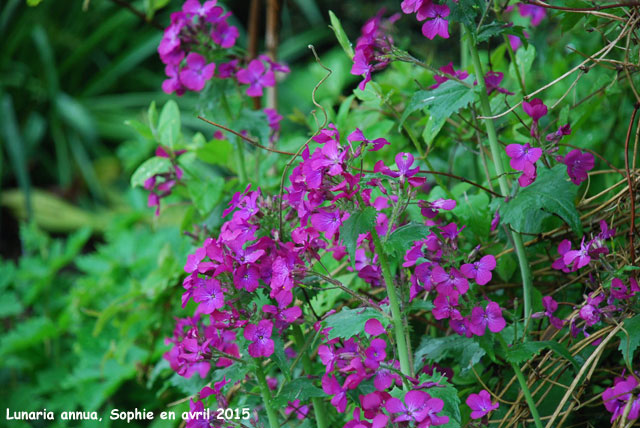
(371, 47)
(197, 28)
(160, 185)
(571, 260)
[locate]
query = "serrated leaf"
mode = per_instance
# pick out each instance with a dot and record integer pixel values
(521, 352)
(336, 26)
(148, 169)
(490, 30)
(358, 222)
(461, 349)
(350, 322)
(403, 238)
(432, 129)
(442, 102)
(169, 125)
(628, 344)
(551, 193)
(464, 12)
(301, 389)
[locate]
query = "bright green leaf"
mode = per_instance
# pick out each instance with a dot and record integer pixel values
(148, 169)
(359, 222)
(628, 344)
(336, 26)
(169, 125)
(350, 322)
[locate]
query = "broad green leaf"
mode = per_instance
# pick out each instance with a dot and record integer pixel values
(463, 350)
(465, 13)
(550, 194)
(336, 26)
(28, 333)
(205, 194)
(432, 129)
(301, 389)
(628, 344)
(9, 304)
(521, 352)
(359, 222)
(403, 238)
(490, 30)
(216, 152)
(350, 322)
(524, 58)
(169, 125)
(148, 169)
(443, 101)
(474, 212)
(152, 116)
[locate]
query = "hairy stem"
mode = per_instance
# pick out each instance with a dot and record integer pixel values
(401, 338)
(266, 396)
(318, 405)
(485, 108)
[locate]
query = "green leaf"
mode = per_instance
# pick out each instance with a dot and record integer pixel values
(28, 333)
(148, 169)
(443, 101)
(9, 304)
(432, 129)
(152, 116)
(205, 194)
(169, 125)
(488, 31)
(336, 26)
(521, 352)
(463, 350)
(628, 344)
(350, 322)
(301, 389)
(464, 12)
(403, 238)
(217, 152)
(524, 58)
(550, 194)
(359, 222)
(474, 212)
(279, 356)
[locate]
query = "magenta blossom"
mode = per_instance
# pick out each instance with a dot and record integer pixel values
(578, 165)
(448, 70)
(579, 258)
(481, 404)
(561, 132)
(522, 154)
(209, 295)
(376, 144)
(536, 13)
(480, 271)
(535, 109)
(417, 406)
(294, 406)
(260, 335)
(257, 77)
(492, 80)
(490, 317)
(431, 209)
(550, 306)
(374, 327)
(436, 23)
(616, 398)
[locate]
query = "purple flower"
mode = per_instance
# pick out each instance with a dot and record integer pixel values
(404, 162)
(375, 353)
(579, 258)
(260, 335)
(448, 282)
(535, 109)
(209, 295)
(561, 132)
(437, 24)
(550, 307)
(578, 165)
(480, 404)
(431, 209)
(257, 77)
(492, 81)
(480, 271)
(328, 222)
(522, 154)
(490, 317)
(376, 144)
(208, 9)
(617, 398)
(361, 66)
(536, 13)
(590, 312)
(197, 72)
(331, 386)
(412, 6)
(224, 34)
(444, 306)
(448, 69)
(173, 83)
(374, 327)
(294, 406)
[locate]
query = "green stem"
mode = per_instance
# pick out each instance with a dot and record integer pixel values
(496, 153)
(401, 339)
(318, 405)
(512, 55)
(266, 396)
(527, 395)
